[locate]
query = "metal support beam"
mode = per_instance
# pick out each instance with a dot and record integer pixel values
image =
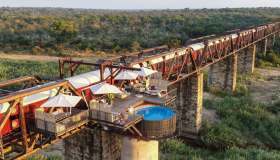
(20, 80)
(23, 127)
(32, 91)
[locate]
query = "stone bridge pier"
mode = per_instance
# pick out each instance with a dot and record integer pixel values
(93, 144)
(222, 75)
(97, 144)
(189, 105)
(246, 60)
(267, 44)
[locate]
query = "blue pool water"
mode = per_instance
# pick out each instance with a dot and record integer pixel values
(155, 113)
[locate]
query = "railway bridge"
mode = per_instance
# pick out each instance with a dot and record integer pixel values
(181, 71)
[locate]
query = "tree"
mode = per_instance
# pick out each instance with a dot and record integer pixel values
(63, 30)
(174, 43)
(135, 46)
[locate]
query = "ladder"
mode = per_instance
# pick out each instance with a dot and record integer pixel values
(2, 156)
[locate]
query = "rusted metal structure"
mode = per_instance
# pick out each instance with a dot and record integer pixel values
(178, 64)
(175, 65)
(19, 112)
(23, 82)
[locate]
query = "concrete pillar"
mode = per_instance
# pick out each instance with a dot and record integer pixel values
(190, 107)
(136, 149)
(246, 60)
(91, 144)
(265, 46)
(222, 75)
(274, 40)
(179, 106)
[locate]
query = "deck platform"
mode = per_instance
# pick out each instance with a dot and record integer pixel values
(123, 125)
(133, 100)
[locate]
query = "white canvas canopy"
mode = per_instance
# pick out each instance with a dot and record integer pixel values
(62, 100)
(105, 88)
(39, 96)
(83, 80)
(144, 72)
(87, 79)
(126, 75)
(4, 107)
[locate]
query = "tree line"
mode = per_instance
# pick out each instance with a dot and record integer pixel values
(63, 31)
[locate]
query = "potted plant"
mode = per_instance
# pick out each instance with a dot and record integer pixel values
(111, 98)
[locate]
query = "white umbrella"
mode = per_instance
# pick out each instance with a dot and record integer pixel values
(126, 75)
(62, 100)
(105, 88)
(144, 72)
(83, 80)
(4, 107)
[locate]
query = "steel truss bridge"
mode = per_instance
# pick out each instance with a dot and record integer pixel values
(175, 65)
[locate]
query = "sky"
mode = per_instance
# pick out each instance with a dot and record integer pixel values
(140, 4)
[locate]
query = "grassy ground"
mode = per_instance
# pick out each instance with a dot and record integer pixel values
(15, 68)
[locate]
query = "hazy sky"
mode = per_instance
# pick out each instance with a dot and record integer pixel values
(140, 4)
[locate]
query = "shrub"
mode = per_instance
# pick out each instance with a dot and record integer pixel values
(37, 50)
(242, 123)
(171, 149)
(221, 136)
(44, 157)
(271, 59)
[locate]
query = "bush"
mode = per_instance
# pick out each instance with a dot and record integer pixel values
(271, 59)
(174, 149)
(37, 50)
(222, 136)
(43, 157)
(242, 123)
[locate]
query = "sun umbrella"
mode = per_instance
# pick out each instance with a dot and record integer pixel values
(4, 107)
(83, 80)
(105, 88)
(62, 100)
(144, 72)
(126, 75)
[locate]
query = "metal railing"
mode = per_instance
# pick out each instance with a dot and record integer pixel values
(170, 96)
(50, 124)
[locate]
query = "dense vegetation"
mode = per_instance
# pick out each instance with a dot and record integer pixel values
(175, 149)
(242, 123)
(246, 129)
(62, 31)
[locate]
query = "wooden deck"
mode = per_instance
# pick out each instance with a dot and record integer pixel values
(123, 125)
(122, 105)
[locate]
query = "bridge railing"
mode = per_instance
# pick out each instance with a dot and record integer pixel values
(60, 123)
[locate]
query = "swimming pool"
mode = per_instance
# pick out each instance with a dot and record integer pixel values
(158, 121)
(156, 113)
